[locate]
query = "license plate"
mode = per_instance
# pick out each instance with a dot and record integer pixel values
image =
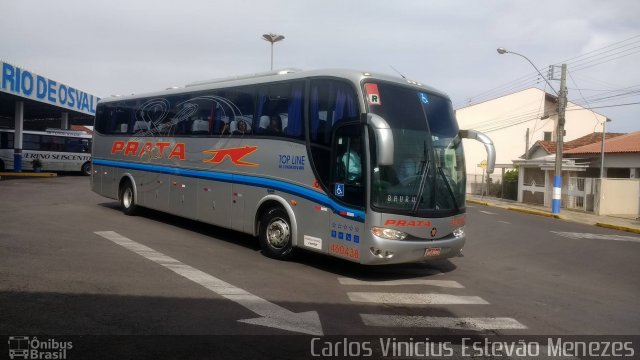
(432, 252)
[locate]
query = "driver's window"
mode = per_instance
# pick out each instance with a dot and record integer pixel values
(348, 172)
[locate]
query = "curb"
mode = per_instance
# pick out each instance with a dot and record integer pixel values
(619, 227)
(471, 201)
(560, 217)
(7, 175)
(535, 212)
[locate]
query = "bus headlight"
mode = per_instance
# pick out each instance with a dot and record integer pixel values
(459, 232)
(390, 234)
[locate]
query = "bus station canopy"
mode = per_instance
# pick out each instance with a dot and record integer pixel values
(45, 101)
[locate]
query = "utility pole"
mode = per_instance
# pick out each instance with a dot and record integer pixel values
(562, 106)
(526, 142)
(604, 134)
(556, 198)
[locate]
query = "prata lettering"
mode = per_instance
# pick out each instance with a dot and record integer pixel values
(152, 150)
(407, 223)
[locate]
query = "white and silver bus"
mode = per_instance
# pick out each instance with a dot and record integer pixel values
(361, 166)
(56, 150)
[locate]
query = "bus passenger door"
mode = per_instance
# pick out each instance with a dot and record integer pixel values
(347, 184)
(347, 178)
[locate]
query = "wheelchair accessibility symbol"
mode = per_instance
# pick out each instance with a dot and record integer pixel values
(424, 98)
(339, 191)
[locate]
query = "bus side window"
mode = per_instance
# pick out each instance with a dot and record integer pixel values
(6, 140)
(75, 145)
(232, 107)
(120, 119)
(280, 110)
(31, 142)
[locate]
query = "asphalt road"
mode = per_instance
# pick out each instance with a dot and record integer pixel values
(532, 275)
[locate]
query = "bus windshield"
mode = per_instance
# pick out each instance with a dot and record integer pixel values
(427, 177)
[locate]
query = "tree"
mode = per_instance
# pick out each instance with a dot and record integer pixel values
(511, 184)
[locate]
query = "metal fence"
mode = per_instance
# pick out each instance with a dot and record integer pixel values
(579, 193)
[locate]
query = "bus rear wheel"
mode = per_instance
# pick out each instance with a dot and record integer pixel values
(86, 169)
(275, 234)
(127, 198)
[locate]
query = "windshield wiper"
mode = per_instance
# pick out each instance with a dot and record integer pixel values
(449, 187)
(426, 164)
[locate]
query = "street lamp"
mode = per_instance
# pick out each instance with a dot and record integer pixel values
(502, 51)
(272, 38)
(562, 105)
(604, 134)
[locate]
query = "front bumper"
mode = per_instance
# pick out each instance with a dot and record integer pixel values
(405, 251)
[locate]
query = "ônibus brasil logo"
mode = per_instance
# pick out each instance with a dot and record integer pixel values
(26, 347)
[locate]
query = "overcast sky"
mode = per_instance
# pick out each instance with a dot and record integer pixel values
(133, 46)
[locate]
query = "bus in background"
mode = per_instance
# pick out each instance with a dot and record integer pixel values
(57, 150)
(361, 166)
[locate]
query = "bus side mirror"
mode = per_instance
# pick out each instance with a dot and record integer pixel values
(384, 139)
(488, 145)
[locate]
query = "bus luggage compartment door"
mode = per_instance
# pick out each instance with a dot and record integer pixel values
(155, 190)
(237, 207)
(213, 200)
(182, 196)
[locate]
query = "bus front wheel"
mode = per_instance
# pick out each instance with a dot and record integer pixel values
(127, 199)
(275, 234)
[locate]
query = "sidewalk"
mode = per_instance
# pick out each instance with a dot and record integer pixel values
(619, 223)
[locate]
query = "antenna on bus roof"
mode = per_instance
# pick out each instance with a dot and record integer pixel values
(396, 70)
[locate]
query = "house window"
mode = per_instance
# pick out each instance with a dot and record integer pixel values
(620, 173)
(547, 136)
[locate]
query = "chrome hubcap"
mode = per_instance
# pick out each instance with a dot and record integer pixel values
(278, 233)
(127, 197)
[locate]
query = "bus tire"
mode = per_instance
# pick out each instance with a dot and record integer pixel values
(127, 198)
(86, 169)
(275, 234)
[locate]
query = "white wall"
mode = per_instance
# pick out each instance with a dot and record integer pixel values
(619, 197)
(518, 112)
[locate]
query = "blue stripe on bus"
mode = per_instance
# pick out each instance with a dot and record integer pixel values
(293, 189)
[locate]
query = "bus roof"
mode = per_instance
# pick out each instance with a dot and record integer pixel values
(279, 75)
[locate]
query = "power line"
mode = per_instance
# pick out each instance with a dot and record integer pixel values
(584, 58)
(594, 63)
(585, 100)
(520, 83)
(609, 106)
(607, 84)
(589, 59)
(623, 95)
(567, 61)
